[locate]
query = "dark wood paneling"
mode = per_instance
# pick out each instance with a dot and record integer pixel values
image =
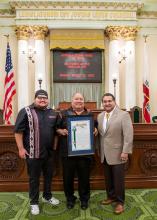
(1, 116)
(141, 169)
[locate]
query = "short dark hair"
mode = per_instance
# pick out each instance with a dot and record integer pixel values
(108, 94)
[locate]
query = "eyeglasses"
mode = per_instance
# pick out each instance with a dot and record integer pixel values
(41, 97)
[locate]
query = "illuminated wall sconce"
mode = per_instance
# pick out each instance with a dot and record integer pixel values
(123, 55)
(40, 79)
(114, 79)
(30, 53)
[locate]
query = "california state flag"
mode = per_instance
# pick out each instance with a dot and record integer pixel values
(146, 106)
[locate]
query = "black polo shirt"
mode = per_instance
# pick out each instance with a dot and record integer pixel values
(47, 125)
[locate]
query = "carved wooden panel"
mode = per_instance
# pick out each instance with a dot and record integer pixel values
(148, 161)
(11, 166)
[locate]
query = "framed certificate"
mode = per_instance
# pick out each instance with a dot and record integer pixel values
(80, 135)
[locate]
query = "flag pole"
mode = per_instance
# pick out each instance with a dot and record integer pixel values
(145, 38)
(7, 36)
(146, 89)
(9, 86)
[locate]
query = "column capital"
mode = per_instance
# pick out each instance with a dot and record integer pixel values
(39, 32)
(24, 32)
(122, 32)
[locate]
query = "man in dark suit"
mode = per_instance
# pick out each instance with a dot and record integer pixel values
(116, 138)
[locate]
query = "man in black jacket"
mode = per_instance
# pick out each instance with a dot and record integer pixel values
(34, 133)
(74, 164)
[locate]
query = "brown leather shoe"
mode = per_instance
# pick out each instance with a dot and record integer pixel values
(107, 201)
(119, 209)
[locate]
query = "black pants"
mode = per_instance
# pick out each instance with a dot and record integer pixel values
(35, 168)
(81, 167)
(114, 179)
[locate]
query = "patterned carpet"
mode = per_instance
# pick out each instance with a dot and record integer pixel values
(140, 204)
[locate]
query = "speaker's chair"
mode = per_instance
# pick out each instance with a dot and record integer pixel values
(154, 119)
(136, 114)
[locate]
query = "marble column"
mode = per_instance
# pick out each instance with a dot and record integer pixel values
(114, 69)
(122, 50)
(22, 69)
(130, 79)
(39, 33)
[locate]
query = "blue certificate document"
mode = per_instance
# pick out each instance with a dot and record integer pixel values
(80, 135)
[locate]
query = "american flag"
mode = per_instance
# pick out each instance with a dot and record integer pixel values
(9, 86)
(146, 106)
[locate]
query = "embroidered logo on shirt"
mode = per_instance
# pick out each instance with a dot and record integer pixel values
(52, 116)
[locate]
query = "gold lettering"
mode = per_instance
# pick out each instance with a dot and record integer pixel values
(94, 15)
(64, 14)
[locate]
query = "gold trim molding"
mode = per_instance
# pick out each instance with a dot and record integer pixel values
(148, 14)
(25, 32)
(7, 12)
(52, 4)
(121, 32)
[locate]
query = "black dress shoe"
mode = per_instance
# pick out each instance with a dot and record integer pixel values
(70, 205)
(84, 205)
(71, 202)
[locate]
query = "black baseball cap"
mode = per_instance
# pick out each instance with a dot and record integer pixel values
(41, 93)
